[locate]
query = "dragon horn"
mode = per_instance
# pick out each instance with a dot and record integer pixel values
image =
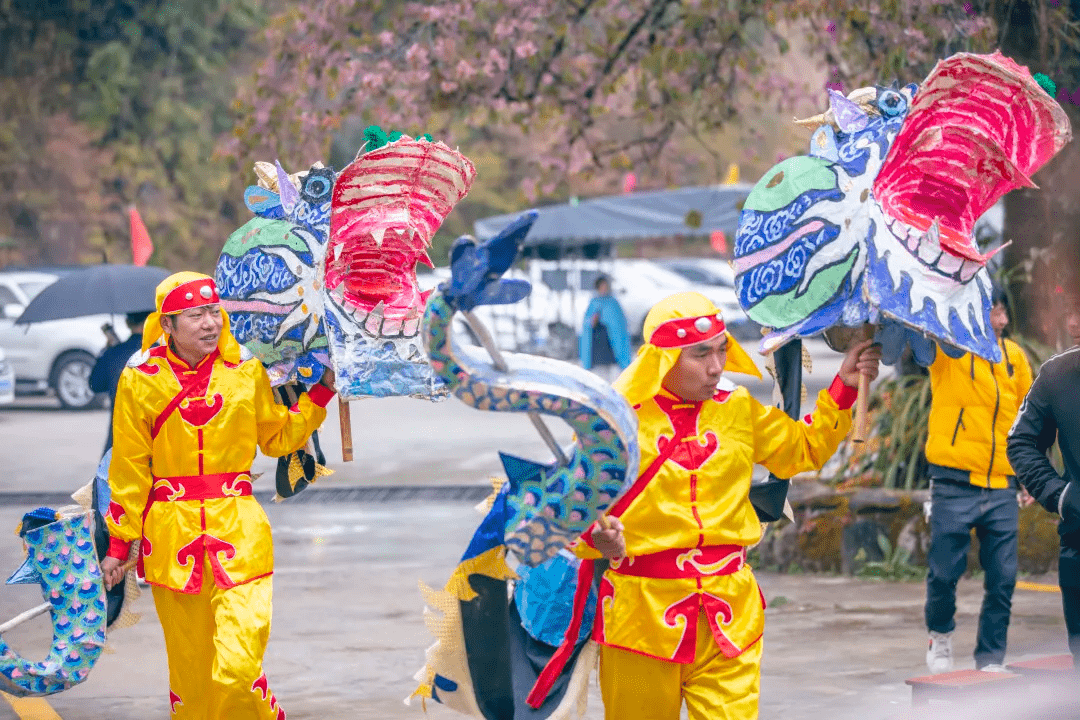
(813, 123)
(288, 193)
(267, 174)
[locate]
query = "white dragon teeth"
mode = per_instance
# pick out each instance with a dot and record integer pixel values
(949, 263)
(391, 327)
(926, 246)
(929, 252)
(377, 235)
(374, 321)
(411, 327)
(968, 270)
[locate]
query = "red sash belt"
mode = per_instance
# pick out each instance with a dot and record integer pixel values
(200, 487)
(684, 563)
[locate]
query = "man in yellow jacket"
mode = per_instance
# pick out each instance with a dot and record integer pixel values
(680, 615)
(189, 415)
(974, 403)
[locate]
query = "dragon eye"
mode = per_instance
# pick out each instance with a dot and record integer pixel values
(891, 103)
(318, 185)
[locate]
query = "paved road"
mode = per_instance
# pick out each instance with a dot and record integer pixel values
(397, 441)
(348, 632)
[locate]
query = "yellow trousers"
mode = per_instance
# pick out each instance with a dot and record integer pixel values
(215, 641)
(638, 687)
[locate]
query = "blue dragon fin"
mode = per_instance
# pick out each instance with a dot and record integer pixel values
(264, 203)
(101, 481)
(25, 574)
(476, 269)
(518, 469)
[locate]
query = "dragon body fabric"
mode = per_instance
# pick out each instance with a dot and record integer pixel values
(876, 224)
(324, 275)
(62, 558)
(491, 648)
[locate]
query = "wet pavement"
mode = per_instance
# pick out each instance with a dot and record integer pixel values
(348, 632)
(396, 441)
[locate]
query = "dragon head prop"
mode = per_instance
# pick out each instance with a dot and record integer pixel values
(324, 275)
(876, 224)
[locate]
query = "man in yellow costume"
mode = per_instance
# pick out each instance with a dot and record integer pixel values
(680, 615)
(189, 414)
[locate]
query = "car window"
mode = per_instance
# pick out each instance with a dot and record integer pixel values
(692, 274)
(589, 278)
(32, 287)
(661, 276)
(555, 279)
(7, 297)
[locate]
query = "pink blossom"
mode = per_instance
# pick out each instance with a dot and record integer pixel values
(525, 49)
(464, 70)
(529, 188)
(416, 54)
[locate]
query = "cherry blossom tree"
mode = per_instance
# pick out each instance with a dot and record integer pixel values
(868, 41)
(582, 85)
(569, 92)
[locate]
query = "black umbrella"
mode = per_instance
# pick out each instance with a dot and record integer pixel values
(96, 290)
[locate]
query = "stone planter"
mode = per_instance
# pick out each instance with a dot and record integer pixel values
(832, 526)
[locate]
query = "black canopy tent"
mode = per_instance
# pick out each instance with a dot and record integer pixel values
(588, 228)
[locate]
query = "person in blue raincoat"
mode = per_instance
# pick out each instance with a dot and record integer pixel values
(605, 341)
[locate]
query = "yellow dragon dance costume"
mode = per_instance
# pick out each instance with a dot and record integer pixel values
(185, 438)
(681, 617)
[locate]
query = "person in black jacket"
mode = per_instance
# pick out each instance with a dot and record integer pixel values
(1051, 411)
(106, 373)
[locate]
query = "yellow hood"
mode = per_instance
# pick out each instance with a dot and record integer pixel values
(181, 291)
(676, 322)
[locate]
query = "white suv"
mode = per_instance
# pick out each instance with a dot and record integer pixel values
(636, 284)
(7, 380)
(58, 354)
(516, 327)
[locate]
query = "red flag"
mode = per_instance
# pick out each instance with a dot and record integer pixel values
(141, 246)
(629, 182)
(718, 241)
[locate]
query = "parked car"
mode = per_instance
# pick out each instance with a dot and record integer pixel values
(517, 328)
(702, 270)
(716, 272)
(56, 355)
(7, 380)
(637, 284)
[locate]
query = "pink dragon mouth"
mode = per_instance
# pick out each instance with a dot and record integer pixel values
(371, 273)
(967, 140)
(376, 284)
(386, 206)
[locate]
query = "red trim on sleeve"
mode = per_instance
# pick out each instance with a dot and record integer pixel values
(119, 549)
(321, 395)
(844, 395)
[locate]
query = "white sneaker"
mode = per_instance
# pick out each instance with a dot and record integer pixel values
(939, 657)
(995, 668)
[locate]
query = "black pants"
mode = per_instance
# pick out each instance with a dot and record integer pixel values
(1070, 599)
(955, 510)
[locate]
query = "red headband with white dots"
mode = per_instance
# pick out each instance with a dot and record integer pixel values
(193, 294)
(683, 332)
